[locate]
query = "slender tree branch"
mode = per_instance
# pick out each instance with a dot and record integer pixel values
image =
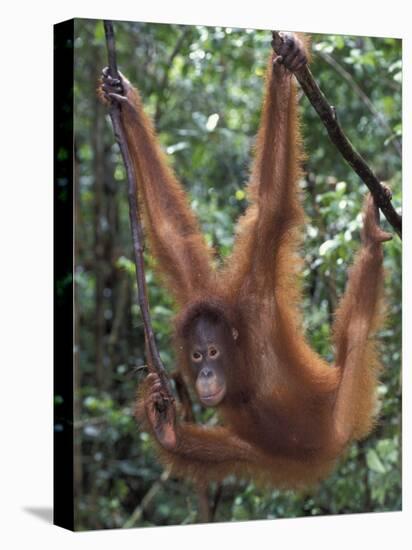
(328, 116)
(183, 395)
(205, 514)
(146, 501)
(216, 499)
(203, 509)
(154, 361)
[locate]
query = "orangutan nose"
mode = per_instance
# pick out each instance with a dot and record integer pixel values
(206, 373)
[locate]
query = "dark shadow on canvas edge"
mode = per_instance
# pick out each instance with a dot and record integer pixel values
(43, 513)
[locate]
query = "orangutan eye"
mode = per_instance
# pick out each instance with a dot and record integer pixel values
(213, 352)
(196, 356)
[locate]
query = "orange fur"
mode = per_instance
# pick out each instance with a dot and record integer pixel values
(288, 415)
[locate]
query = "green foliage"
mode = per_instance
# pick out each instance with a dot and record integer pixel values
(203, 86)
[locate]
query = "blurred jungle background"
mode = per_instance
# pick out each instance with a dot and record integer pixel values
(203, 87)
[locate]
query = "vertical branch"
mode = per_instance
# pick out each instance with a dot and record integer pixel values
(153, 357)
(154, 360)
(205, 510)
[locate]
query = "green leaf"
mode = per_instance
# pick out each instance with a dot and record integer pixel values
(374, 462)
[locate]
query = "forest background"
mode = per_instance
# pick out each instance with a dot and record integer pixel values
(203, 87)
